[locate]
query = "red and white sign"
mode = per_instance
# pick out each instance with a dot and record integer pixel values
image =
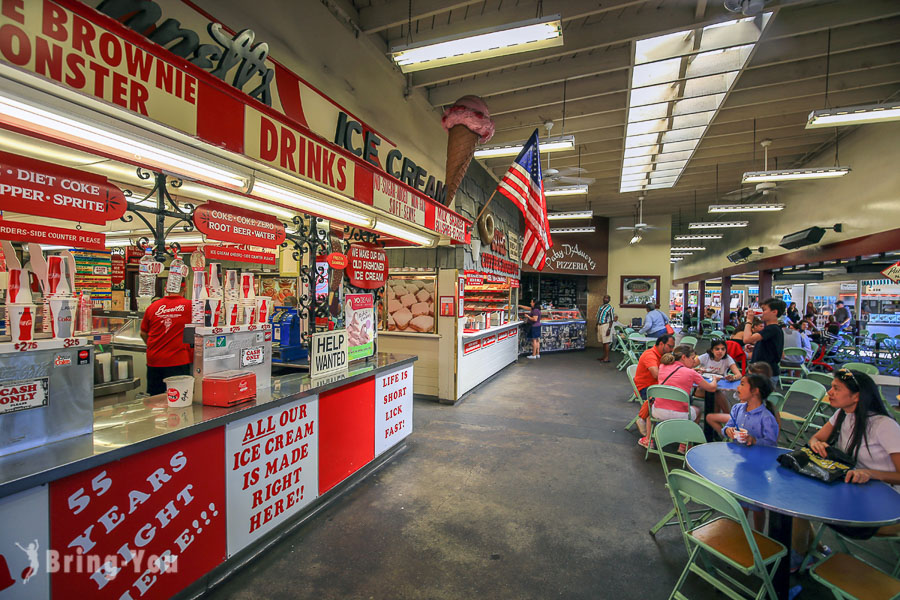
(42, 234)
(367, 266)
(393, 408)
(118, 268)
(145, 526)
(502, 335)
(473, 280)
(893, 272)
(22, 395)
(488, 340)
(239, 255)
(238, 225)
(448, 223)
(255, 355)
(470, 347)
(273, 469)
(35, 187)
(399, 200)
(336, 260)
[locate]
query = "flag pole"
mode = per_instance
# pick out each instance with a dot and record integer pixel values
(486, 204)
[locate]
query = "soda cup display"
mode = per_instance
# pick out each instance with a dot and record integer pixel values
(263, 308)
(249, 314)
(21, 322)
(211, 311)
(179, 390)
(19, 288)
(231, 314)
(247, 291)
(62, 317)
(54, 273)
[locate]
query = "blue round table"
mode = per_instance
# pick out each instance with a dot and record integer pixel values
(753, 475)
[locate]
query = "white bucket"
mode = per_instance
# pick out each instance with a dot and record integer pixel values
(179, 390)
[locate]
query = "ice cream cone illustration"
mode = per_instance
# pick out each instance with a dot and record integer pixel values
(467, 122)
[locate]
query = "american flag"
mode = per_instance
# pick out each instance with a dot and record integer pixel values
(524, 186)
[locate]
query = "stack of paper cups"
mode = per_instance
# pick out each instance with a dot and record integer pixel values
(232, 314)
(212, 312)
(63, 311)
(20, 321)
(232, 290)
(247, 291)
(248, 310)
(263, 308)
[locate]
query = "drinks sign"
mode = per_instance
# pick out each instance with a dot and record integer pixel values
(230, 224)
(239, 255)
(35, 187)
(367, 266)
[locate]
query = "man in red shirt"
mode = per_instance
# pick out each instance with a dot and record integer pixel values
(162, 329)
(648, 363)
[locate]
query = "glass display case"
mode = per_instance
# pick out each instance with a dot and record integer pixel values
(120, 355)
(408, 304)
(488, 299)
(561, 329)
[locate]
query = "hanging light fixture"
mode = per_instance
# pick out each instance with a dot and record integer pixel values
(854, 115)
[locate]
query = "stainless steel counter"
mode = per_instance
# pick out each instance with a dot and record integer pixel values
(132, 426)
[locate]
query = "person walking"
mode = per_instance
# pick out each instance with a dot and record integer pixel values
(842, 315)
(655, 323)
(605, 318)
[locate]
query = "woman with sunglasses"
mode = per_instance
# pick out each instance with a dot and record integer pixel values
(866, 433)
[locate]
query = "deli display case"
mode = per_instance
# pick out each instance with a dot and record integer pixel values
(408, 304)
(561, 329)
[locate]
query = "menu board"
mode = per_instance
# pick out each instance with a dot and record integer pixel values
(93, 273)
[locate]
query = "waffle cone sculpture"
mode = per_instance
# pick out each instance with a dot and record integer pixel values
(467, 122)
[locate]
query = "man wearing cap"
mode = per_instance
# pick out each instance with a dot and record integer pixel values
(162, 329)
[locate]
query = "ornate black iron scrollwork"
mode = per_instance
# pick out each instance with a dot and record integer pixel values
(309, 239)
(164, 206)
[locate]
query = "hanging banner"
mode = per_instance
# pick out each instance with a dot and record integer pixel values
(35, 187)
(59, 236)
(239, 255)
(238, 225)
(367, 266)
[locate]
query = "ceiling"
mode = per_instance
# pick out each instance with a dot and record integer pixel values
(784, 79)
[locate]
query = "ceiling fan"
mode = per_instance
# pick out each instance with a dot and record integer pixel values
(639, 225)
(766, 191)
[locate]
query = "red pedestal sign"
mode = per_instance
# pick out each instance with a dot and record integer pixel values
(367, 266)
(35, 187)
(240, 226)
(41, 234)
(146, 526)
(239, 255)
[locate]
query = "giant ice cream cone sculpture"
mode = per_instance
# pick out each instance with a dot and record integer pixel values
(467, 122)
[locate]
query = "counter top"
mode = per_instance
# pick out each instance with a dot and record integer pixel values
(134, 426)
(468, 336)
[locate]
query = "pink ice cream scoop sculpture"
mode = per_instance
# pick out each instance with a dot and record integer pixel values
(467, 122)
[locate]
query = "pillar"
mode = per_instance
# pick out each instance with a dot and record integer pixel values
(765, 285)
(701, 302)
(726, 300)
(684, 307)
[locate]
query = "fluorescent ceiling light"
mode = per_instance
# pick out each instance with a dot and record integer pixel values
(555, 144)
(794, 174)
(71, 129)
(699, 236)
(637, 237)
(569, 190)
(590, 229)
(310, 205)
(205, 192)
(522, 36)
(678, 83)
(771, 207)
(675, 259)
(581, 214)
(854, 115)
(403, 233)
(685, 248)
(681, 253)
(717, 224)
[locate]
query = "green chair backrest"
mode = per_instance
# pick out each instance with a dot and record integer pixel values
(629, 331)
(807, 386)
(689, 340)
(861, 367)
(795, 352)
(823, 378)
(777, 400)
(730, 329)
(717, 334)
(880, 336)
(631, 370)
(668, 392)
(677, 431)
(815, 347)
(704, 492)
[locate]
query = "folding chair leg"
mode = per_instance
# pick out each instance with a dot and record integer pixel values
(664, 522)
(632, 423)
(687, 569)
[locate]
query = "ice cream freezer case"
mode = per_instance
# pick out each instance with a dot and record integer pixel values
(561, 329)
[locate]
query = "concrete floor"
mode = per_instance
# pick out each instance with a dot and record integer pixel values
(528, 489)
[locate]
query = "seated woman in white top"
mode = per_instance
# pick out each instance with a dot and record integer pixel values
(867, 433)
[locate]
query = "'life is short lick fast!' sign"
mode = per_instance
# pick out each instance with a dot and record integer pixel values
(393, 408)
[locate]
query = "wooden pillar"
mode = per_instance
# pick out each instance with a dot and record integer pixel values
(701, 302)
(765, 285)
(684, 306)
(726, 300)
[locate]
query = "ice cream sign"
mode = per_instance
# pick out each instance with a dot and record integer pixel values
(35, 187)
(359, 314)
(367, 266)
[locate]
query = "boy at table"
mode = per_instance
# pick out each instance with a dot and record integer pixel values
(768, 344)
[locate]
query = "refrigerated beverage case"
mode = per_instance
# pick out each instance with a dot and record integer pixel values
(146, 277)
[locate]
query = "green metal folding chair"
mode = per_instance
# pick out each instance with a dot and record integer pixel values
(688, 340)
(849, 578)
(791, 371)
(727, 539)
(666, 392)
(866, 368)
(871, 551)
(635, 395)
(717, 335)
(676, 431)
(823, 378)
(815, 416)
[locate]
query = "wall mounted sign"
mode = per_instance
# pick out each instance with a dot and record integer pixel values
(228, 93)
(639, 290)
(448, 306)
(472, 346)
(336, 260)
(367, 266)
(239, 255)
(893, 272)
(59, 236)
(492, 262)
(328, 352)
(35, 187)
(569, 258)
(238, 225)
(498, 245)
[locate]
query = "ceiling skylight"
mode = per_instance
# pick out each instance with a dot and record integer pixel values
(678, 83)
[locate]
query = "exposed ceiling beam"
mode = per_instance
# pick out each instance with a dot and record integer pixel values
(373, 19)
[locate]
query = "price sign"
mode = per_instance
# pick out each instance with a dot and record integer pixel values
(241, 226)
